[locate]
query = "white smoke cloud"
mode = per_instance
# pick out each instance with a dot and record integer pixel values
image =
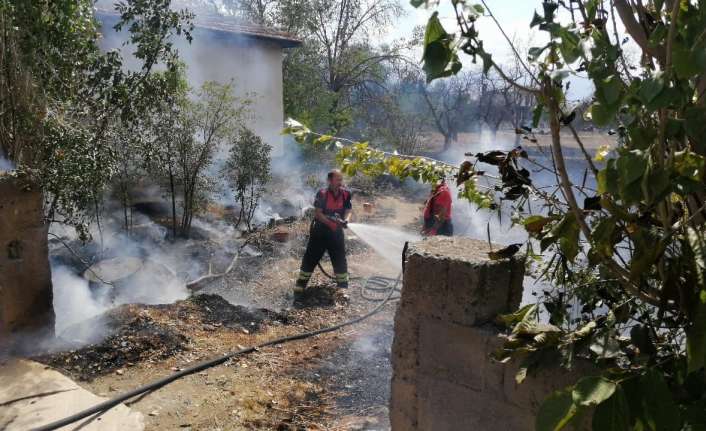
(5, 164)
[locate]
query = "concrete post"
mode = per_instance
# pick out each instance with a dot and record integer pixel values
(443, 378)
(25, 277)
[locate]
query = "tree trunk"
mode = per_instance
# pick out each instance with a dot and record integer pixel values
(173, 193)
(447, 143)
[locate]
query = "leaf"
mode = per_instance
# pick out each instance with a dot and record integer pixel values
(504, 253)
(549, 9)
(512, 319)
(567, 231)
(650, 88)
(536, 20)
(631, 167)
(696, 127)
(608, 179)
(601, 114)
(323, 139)
(689, 164)
(439, 56)
(640, 338)
(645, 254)
(592, 390)
(569, 45)
(592, 203)
(608, 89)
(660, 411)
(535, 223)
(536, 51)
(585, 331)
(602, 237)
(605, 346)
(612, 414)
(557, 411)
(684, 62)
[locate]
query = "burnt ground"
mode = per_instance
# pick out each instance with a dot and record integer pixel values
(336, 381)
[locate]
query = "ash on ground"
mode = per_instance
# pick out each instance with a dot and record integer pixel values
(138, 333)
(321, 295)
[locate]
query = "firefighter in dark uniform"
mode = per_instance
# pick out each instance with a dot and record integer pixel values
(333, 210)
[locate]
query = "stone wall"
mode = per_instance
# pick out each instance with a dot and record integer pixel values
(25, 276)
(442, 376)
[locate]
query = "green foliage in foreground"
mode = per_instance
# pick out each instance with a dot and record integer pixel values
(360, 157)
(627, 267)
(61, 97)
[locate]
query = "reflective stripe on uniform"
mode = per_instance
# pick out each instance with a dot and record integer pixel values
(304, 276)
(342, 277)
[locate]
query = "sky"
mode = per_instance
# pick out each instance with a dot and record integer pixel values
(513, 15)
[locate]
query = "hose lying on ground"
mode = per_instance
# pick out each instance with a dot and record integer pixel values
(375, 284)
(108, 404)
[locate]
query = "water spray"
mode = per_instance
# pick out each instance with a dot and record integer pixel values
(388, 242)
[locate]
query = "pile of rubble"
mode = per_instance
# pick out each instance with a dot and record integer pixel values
(213, 310)
(133, 340)
(135, 333)
(323, 295)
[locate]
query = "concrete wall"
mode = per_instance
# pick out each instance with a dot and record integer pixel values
(443, 378)
(254, 66)
(25, 277)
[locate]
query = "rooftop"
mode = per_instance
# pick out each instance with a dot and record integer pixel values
(215, 20)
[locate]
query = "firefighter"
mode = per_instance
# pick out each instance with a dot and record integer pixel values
(333, 210)
(437, 211)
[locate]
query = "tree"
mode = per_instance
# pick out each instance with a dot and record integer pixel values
(336, 51)
(632, 256)
(127, 143)
(166, 130)
(208, 122)
(393, 115)
(248, 168)
(451, 105)
(59, 93)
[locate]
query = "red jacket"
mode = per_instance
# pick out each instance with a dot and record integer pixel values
(440, 199)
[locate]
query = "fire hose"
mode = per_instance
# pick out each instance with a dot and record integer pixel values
(391, 286)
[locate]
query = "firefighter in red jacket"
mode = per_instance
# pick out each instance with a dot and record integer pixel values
(333, 210)
(437, 211)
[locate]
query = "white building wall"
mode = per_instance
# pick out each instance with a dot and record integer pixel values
(253, 65)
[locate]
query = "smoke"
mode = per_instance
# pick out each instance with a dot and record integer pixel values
(5, 164)
(73, 301)
(144, 268)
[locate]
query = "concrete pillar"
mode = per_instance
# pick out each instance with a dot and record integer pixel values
(443, 378)
(25, 277)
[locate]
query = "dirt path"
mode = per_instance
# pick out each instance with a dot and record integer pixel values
(337, 381)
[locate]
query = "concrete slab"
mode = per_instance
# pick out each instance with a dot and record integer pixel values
(32, 395)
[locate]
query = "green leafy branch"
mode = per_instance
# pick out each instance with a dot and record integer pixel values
(359, 157)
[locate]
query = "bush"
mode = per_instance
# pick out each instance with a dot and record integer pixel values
(248, 169)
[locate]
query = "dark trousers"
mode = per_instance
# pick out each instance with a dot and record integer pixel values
(322, 239)
(446, 229)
